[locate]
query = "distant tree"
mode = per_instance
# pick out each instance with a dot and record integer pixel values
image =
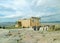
(3, 27)
(53, 27)
(0, 27)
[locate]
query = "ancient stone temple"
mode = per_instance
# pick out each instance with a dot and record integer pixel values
(33, 21)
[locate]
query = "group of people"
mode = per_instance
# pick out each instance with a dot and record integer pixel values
(36, 28)
(45, 27)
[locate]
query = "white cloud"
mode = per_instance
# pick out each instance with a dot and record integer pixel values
(17, 14)
(26, 7)
(21, 3)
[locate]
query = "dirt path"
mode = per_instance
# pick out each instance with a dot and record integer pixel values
(29, 36)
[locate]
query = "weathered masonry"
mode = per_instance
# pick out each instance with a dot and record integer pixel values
(33, 21)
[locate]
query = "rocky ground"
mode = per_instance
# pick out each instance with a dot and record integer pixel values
(28, 36)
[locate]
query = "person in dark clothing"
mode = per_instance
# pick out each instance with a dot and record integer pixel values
(34, 27)
(38, 27)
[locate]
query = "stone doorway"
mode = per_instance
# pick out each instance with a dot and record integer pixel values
(19, 23)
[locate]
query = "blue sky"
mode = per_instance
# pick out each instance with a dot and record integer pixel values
(11, 10)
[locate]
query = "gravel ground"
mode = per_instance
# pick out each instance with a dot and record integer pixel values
(28, 36)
